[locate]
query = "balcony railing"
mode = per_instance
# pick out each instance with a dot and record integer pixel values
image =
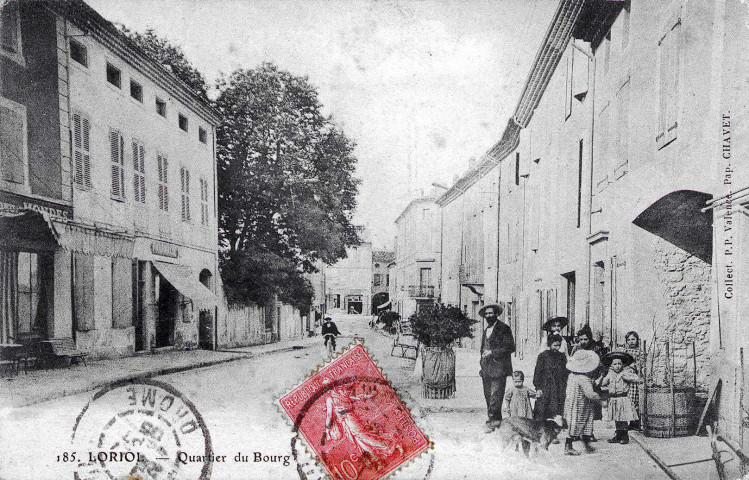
(421, 291)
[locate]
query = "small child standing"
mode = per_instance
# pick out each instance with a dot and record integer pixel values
(617, 382)
(580, 399)
(519, 397)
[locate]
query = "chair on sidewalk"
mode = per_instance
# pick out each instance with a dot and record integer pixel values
(62, 348)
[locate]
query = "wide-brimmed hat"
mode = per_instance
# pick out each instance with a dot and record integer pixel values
(556, 318)
(583, 361)
(625, 357)
(327, 316)
(498, 307)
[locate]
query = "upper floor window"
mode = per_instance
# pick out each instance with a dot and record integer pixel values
(377, 279)
(184, 176)
(10, 32)
(203, 202)
(160, 107)
(139, 172)
(163, 167)
(136, 90)
(202, 135)
(669, 52)
(78, 52)
(117, 156)
(14, 147)
(82, 150)
(114, 75)
(182, 122)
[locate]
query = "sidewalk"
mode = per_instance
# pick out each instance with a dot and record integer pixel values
(42, 385)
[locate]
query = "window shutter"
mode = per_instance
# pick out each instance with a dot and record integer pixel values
(78, 147)
(122, 292)
(669, 50)
(182, 189)
(83, 291)
(623, 126)
(166, 183)
(116, 147)
(11, 148)
(142, 174)
(136, 176)
(9, 25)
(86, 130)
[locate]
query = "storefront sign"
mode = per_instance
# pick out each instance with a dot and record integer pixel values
(14, 203)
(164, 249)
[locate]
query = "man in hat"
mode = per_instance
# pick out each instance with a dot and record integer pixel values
(497, 345)
(329, 330)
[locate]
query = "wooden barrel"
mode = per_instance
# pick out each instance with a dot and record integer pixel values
(657, 419)
(438, 372)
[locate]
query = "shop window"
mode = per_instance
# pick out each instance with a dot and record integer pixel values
(13, 148)
(28, 292)
(114, 75)
(163, 183)
(82, 150)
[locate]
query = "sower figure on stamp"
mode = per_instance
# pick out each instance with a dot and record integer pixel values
(497, 345)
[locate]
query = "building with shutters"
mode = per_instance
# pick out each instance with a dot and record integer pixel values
(415, 275)
(108, 188)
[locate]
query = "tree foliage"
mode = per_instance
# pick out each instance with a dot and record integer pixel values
(286, 186)
(170, 56)
(438, 326)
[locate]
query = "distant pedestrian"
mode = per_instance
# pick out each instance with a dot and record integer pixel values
(554, 325)
(550, 380)
(497, 345)
(518, 398)
(632, 347)
(580, 399)
(617, 382)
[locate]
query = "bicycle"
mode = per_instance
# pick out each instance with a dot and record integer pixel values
(330, 343)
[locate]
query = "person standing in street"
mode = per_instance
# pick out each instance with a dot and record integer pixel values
(497, 345)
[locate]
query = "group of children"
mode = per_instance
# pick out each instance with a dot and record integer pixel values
(574, 384)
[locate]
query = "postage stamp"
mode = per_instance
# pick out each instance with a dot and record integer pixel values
(145, 430)
(352, 420)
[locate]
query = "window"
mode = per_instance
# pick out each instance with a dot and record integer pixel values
(30, 299)
(114, 76)
(136, 90)
(10, 32)
(184, 177)
(668, 89)
(202, 135)
(377, 279)
(117, 156)
(139, 172)
(425, 277)
(78, 52)
(82, 150)
(163, 168)
(203, 202)
(182, 122)
(160, 107)
(13, 144)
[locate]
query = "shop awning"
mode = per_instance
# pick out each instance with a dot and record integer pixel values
(27, 230)
(186, 282)
(93, 240)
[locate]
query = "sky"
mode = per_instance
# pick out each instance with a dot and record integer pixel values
(420, 86)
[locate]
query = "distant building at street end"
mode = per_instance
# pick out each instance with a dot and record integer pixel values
(348, 282)
(381, 278)
(415, 277)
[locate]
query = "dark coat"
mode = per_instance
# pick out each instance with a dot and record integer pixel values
(501, 344)
(550, 377)
(330, 328)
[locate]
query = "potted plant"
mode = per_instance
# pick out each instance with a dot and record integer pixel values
(436, 327)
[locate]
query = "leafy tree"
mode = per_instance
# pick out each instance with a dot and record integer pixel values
(286, 186)
(438, 326)
(170, 56)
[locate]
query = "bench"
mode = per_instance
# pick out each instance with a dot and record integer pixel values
(30, 354)
(405, 340)
(62, 348)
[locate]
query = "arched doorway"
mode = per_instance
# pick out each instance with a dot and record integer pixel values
(205, 325)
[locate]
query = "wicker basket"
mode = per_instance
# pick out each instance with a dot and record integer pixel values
(438, 372)
(658, 418)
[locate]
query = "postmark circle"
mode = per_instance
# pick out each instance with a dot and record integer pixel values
(143, 429)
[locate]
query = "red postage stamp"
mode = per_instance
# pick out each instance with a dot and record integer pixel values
(353, 420)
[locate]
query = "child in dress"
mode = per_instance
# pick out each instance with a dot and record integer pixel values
(580, 399)
(554, 326)
(632, 346)
(550, 380)
(617, 382)
(519, 397)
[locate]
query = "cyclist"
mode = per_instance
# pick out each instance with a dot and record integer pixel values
(329, 331)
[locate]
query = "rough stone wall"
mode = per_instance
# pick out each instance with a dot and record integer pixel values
(687, 294)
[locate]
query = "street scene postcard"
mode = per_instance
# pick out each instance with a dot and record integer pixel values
(368, 239)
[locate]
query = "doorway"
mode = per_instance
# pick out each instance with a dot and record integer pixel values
(167, 304)
(205, 317)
